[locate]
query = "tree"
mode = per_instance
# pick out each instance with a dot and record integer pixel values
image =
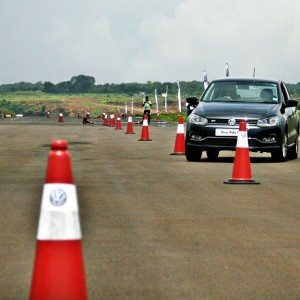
(82, 84)
(49, 87)
(64, 87)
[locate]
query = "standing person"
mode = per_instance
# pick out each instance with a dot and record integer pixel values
(147, 106)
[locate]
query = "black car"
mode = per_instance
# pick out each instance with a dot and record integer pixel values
(272, 119)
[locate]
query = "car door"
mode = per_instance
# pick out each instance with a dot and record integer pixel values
(291, 114)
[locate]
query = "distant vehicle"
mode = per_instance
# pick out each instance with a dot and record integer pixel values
(272, 119)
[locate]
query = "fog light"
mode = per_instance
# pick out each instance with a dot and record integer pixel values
(196, 137)
(269, 140)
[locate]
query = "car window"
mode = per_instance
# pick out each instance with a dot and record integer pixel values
(242, 91)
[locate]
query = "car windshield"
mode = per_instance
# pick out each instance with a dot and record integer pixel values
(242, 91)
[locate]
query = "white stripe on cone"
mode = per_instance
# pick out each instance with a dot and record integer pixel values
(145, 122)
(59, 219)
(129, 119)
(242, 140)
(180, 128)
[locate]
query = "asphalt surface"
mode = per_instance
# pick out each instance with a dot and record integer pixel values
(154, 226)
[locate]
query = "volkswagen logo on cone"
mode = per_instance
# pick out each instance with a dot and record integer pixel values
(58, 197)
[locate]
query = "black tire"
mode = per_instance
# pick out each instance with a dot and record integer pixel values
(281, 154)
(293, 151)
(193, 153)
(212, 154)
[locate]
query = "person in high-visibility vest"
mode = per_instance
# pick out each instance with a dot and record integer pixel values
(147, 106)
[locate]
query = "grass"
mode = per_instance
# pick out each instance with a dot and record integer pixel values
(30, 102)
(35, 103)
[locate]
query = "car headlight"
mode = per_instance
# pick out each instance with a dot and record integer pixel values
(198, 120)
(268, 122)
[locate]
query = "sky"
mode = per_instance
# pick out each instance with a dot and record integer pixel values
(119, 41)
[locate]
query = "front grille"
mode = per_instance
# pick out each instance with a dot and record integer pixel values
(224, 121)
(227, 142)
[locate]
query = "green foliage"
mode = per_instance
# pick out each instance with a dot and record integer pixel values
(81, 84)
(49, 87)
(77, 84)
(170, 117)
(98, 97)
(14, 108)
(294, 89)
(134, 88)
(86, 84)
(21, 86)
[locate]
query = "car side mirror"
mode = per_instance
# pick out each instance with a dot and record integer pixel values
(289, 103)
(192, 101)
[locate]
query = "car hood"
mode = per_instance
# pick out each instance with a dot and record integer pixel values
(242, 110)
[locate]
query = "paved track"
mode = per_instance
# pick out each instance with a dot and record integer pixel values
(154, 226)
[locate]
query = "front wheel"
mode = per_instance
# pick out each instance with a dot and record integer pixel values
(293, 151)
(212, 154)
(281, 154)
(192, 153)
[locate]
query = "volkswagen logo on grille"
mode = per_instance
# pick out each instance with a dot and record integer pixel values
(58, 197)
(232, 121)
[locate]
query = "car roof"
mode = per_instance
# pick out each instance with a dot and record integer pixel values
(253, 79)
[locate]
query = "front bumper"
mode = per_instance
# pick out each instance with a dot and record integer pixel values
(265, 139)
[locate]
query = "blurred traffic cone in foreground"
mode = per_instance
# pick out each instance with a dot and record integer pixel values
(61, 118)
(241, 173)
(145, 130)
(179, 146)
(129, 126)
(58, 268)
(118, 123)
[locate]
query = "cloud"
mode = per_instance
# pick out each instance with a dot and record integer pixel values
(206, 34)
(148, 40)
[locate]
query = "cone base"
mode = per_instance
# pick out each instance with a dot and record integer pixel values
(58, 271)
(129, 133)
(142, 140)
(178, 153)
(236, 181)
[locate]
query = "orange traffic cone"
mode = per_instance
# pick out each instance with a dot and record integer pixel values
(112, 120)
(58, 268)
(129, 126)
(118, 123)
(241, 173)
(179, 147)
(61, 118)
(145, 130)
(105, 121)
